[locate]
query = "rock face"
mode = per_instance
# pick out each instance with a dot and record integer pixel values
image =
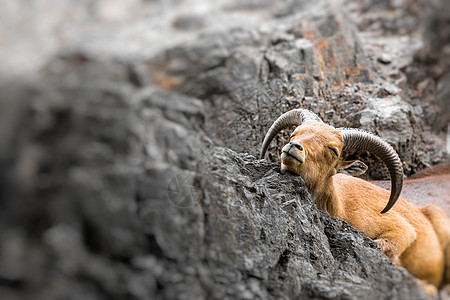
(128, 198)
(128, 169)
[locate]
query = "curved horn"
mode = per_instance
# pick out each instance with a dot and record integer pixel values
(292, 117)
(365, 141)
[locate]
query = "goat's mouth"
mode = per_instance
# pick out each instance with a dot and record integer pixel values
(288, 156)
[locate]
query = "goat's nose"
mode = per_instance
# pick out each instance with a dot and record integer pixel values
(296, 145)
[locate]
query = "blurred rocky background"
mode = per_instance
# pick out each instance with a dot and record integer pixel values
(130, 130)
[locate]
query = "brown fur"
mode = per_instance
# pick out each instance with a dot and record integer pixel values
(415, 238)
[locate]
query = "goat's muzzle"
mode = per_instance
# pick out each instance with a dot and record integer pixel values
(292, 151)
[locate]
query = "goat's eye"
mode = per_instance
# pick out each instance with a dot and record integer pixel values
(334, 150)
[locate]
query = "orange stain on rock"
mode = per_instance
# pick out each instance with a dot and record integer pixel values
(165, 81)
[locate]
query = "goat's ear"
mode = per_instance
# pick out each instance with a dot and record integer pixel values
(352, 168)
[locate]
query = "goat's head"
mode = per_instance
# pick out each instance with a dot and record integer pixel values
(313, 152)
(314, 149)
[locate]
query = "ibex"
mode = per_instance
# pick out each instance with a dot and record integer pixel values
(415, 238)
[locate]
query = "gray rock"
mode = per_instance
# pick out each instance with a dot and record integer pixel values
(385, 58)
(114, 230)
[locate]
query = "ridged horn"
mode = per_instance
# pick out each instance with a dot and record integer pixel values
(292, 117)
(365, 141)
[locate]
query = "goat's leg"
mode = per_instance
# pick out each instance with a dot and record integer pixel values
(441, 225)
(389, 249)
(393, 244)
(428, 288)
(396, 240)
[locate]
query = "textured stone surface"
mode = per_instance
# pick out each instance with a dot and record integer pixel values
(127, 198)
(128, 167)
(313, 60)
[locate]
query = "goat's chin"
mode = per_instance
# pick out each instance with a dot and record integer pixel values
(289, 169)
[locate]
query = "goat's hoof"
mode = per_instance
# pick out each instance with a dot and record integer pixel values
(429, 289)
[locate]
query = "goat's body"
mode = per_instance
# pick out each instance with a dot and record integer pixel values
(413, 237)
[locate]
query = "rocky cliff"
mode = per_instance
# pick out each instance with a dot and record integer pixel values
(128, 143)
